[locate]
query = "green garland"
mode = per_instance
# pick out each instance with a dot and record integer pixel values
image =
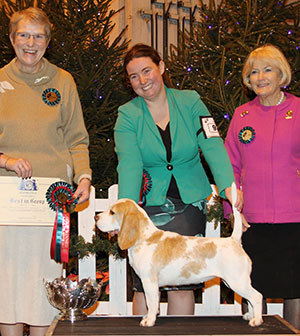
(80, 249)
(215, 214)
(215, 211)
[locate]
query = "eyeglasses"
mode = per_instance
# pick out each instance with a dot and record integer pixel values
(26, 36)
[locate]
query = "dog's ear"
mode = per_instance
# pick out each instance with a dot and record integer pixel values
(129, 232)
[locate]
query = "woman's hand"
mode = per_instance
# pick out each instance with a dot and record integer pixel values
(83, 190)
(246, 225)
(239, 205)
(239, 201)
(20, 166)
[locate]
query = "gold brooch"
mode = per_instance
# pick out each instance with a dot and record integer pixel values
(289, 114)
(244, 113)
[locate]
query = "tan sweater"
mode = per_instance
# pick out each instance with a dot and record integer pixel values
(41, 120)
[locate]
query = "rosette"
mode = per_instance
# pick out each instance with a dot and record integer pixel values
(60, 199)
(146, 187)
(246, 135)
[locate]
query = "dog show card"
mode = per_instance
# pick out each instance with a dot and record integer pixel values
(23, 201)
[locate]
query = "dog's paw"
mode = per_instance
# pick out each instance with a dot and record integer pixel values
(147, 321)
(256, 321)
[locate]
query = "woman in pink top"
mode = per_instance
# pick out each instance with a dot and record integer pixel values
(263, 142)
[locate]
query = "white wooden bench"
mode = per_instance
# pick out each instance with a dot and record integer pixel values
(117, 304)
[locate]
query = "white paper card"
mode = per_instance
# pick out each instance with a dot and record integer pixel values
(23, 201)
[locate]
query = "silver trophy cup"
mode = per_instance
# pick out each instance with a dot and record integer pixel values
(72, 297)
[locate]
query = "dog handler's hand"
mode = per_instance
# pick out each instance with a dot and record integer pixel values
(240, 199)
(246, 225)
(20, 166)
(83, 190)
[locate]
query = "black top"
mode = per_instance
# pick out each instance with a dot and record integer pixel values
(166, 138)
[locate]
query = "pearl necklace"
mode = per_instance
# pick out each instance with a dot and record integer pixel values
(281, 98)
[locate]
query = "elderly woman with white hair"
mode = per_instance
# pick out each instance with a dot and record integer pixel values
(42, 134)
(263, 143)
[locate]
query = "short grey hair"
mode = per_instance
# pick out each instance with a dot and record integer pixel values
(32, 14)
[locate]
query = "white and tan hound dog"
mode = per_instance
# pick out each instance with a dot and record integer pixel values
(163, 258)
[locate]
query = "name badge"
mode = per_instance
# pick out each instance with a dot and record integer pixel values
(209, 127)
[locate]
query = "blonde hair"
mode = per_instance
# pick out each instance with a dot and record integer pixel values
(31, 14)
(274, 56)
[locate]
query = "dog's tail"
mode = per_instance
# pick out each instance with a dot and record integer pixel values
(237, 217)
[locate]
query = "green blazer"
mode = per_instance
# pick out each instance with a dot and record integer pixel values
(139, 146)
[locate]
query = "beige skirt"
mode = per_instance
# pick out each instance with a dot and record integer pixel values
(24, 263)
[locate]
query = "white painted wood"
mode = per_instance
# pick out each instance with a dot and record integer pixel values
(117, 287)
(143, 16)
(87, 266)
(117, 283)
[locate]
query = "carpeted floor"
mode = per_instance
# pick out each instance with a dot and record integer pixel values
(172, 325)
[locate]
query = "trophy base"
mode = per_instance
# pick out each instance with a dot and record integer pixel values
(72, 315)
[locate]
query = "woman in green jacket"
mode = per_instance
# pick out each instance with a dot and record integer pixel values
(158, 136)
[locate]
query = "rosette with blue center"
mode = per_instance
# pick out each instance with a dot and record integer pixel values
(246, 134)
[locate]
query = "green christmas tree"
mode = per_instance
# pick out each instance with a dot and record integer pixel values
(81, 44)
(210, 57)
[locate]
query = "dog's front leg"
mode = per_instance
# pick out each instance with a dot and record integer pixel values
(152, 299)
